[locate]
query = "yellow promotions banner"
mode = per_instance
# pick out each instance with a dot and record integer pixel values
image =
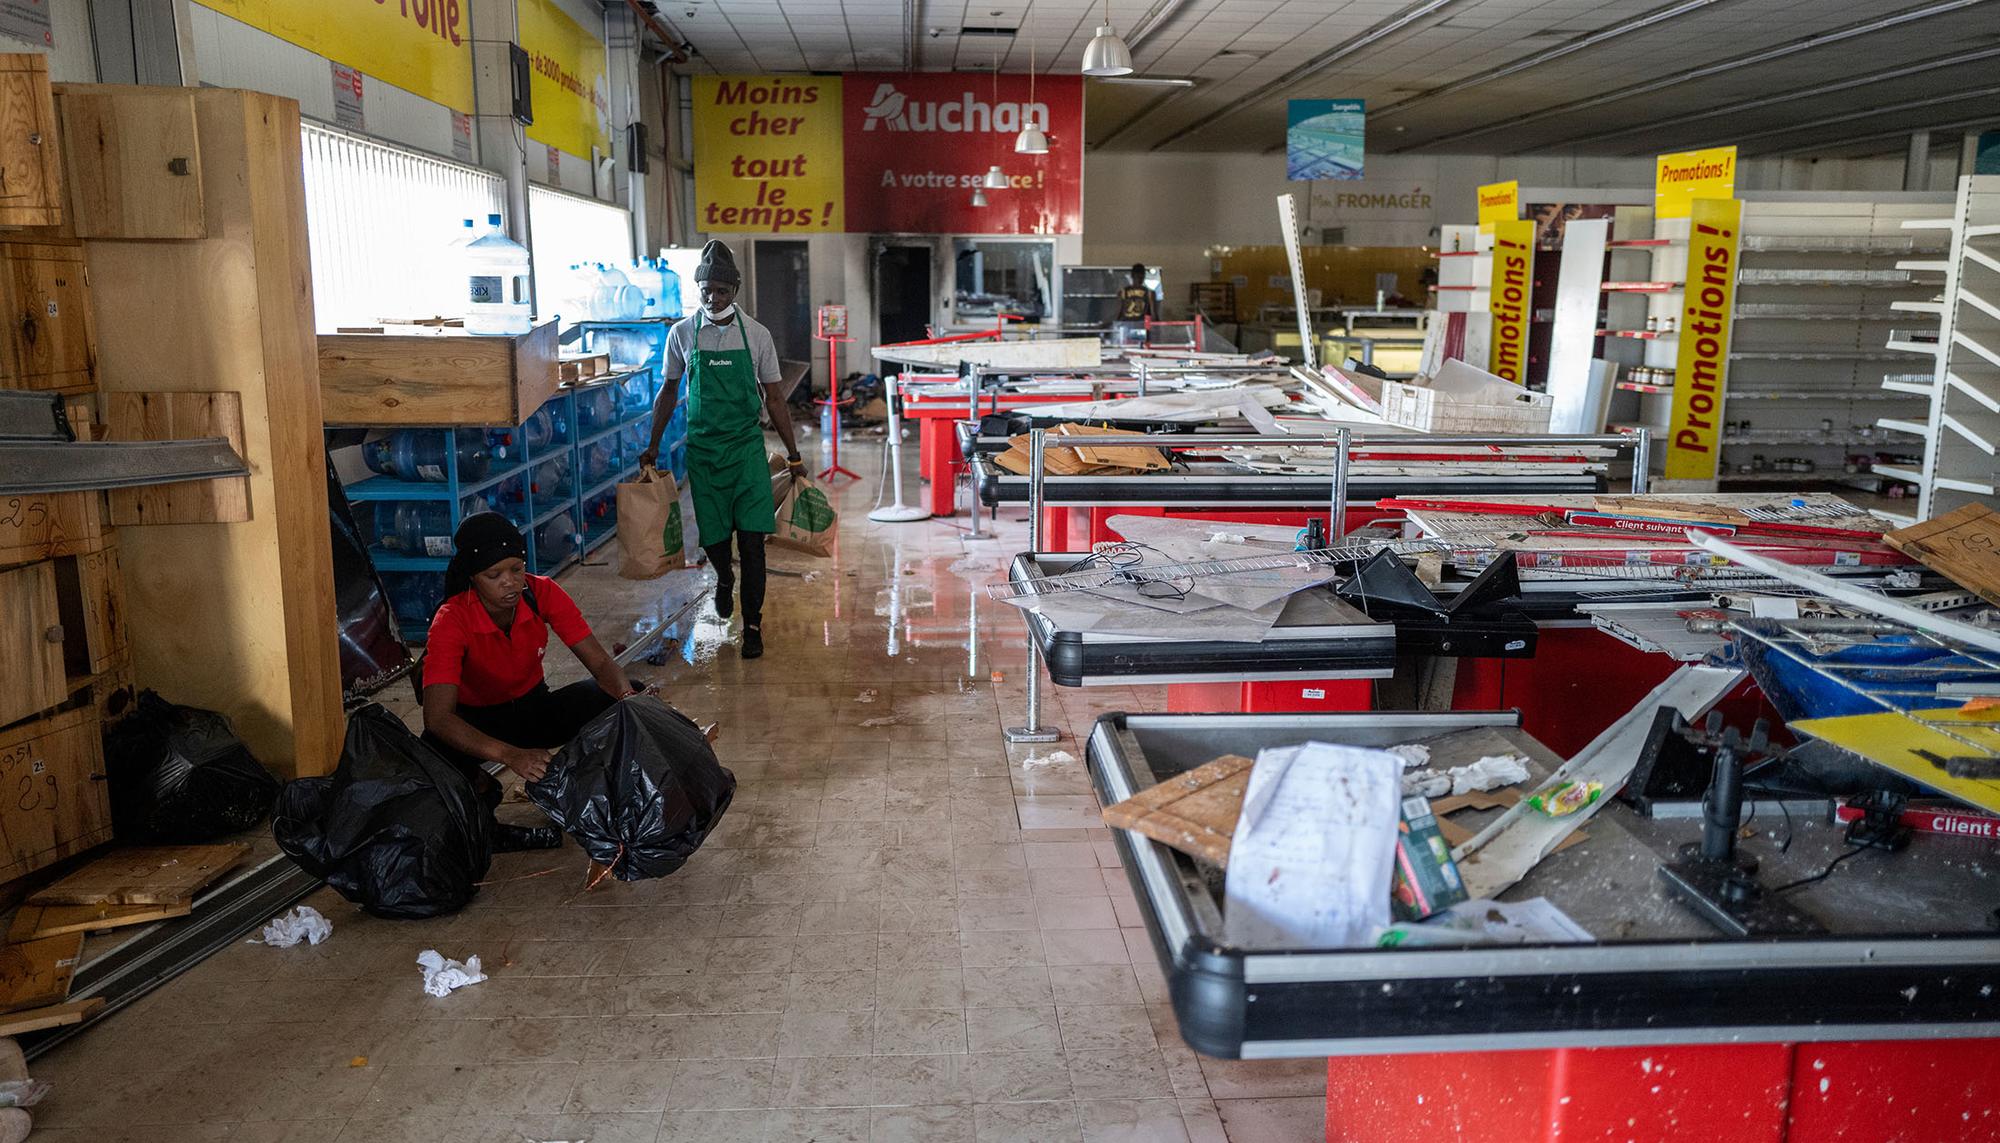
(1701, 370)
(1680, 178)
(1498, 202)
(768, 154)
(1513, 289)
(421, 46)
(569, 86)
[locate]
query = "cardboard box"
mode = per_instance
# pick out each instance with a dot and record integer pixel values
(1426, 879)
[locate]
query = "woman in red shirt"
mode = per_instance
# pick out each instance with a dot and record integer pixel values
(485, 699)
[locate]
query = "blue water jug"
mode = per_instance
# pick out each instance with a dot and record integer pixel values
(414, 595)
(596, 409)
(557, 538)
(600, 461)
(541, 430)
(552, 481)
(419, 455)
(415, 527)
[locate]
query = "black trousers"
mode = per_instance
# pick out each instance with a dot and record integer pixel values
(542, 718)
(751, 547)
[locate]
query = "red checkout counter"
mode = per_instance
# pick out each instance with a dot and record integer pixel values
(938, 403)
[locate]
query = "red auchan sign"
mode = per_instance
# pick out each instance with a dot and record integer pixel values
(917, 146)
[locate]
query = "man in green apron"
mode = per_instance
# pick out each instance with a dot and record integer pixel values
(731, 367)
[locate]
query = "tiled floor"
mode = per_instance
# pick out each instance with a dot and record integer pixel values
(899, 932)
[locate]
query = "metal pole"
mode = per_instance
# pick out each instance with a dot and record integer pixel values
(1031, 729)
(1642, 460)
(1142, 376)
(1337, 523)
(972, 491)
(899, 512)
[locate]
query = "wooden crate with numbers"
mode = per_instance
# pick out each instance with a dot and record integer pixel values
(53, 797)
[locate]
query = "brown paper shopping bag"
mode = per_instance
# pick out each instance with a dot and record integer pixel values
(650, 541)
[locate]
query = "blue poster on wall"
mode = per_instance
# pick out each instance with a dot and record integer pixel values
(1323, 138)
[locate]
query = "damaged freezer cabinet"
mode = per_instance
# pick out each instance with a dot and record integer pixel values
(1656, 975)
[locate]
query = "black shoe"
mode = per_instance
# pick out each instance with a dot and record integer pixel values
(753, 642)
(725, 598)
(514, 839)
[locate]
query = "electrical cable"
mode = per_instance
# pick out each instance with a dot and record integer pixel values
(1822, 874)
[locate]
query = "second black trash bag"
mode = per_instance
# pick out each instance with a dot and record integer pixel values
(180, 776)
(395, 829)
(638, 788)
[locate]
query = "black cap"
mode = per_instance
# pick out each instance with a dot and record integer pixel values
(482, 540)
(718, 265)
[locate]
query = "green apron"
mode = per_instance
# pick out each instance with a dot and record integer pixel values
(728, 476)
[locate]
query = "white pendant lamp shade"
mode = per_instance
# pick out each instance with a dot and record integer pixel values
(1031, 141)
(1106, 54)
(979, 196)
(996, 179)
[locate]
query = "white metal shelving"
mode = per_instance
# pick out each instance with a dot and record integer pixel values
(1962, 449)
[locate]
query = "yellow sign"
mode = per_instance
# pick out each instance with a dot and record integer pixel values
(423, 48)
(569, 85)
(1701, 370)
(1511, 294)
(1498, 202)
(1680, 178)
(768, 154)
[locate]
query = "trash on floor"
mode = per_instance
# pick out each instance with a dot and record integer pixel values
(442, 975)
(303, 923)
(1052, 758)
(867, 695)
(179, 775)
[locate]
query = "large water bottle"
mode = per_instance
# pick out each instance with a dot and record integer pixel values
(670, 289)
(448, 270)
(645, 275)
(496, 269)
(414, 595)
(541, 430)
(419, 454)
(596, 409)
(416, 527)
(601, 460)
(557, 538)
(552, 481)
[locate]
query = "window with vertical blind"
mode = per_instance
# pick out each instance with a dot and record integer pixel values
(566, 229)
(381, 221)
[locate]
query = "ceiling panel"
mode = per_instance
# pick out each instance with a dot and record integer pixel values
(1440, 75)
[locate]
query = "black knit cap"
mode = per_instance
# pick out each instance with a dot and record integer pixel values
(482, 540)
(718, 265)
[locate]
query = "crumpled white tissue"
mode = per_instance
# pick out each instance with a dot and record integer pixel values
(1413, 754)
(442, 975)
(301, 924)
(1489, 773)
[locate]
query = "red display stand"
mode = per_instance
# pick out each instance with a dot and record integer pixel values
(1908, 1091)
(833, 330)
(1315, 696)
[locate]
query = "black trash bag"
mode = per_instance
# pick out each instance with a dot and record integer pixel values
(180, 776)
(638, 788)
(395, 829)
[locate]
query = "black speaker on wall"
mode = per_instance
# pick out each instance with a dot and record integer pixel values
(523, 68)
(635, 148)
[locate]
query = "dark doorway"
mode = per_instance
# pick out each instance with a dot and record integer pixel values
(903, 293)
(784, 297)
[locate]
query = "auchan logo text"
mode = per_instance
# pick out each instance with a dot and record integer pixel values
(891, 110)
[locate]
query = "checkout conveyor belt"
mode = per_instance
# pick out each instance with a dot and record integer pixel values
(1219, 485)
(1910, 953)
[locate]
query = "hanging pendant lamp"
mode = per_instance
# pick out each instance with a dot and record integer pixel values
(1106, 54)
(996, 179)
(1030, 141)
(979, 196)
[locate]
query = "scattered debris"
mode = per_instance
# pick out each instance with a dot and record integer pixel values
(1413, 754)
(810, 576)
(886, 720)
(1052, 758)
(867, 695)
(442, 975)
(304, 923)
(358, 1062)
(1489, 773)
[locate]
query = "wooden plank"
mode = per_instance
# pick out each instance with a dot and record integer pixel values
(56, 803)
(41, 525)
(251, 601)
(1963, 544)
(144, 875)
(90, 597)
(55, 1016)
(1194, 812)
(133, 161)
(30, 161)
(33, 922)
(53, 346)
(36, 974)
(130, 416)
(437, 379)
(32, 676)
